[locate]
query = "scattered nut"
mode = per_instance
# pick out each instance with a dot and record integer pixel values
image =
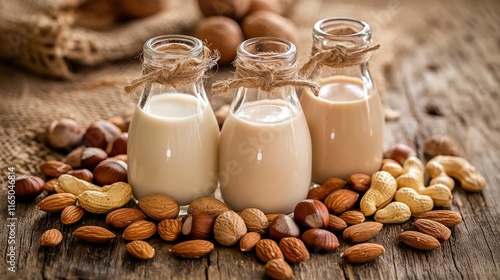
(419, 240)
(64, 133)
(394, 213)
(28, 187)
(399, 152)
(352, 217)
(229, 228)
(278, 269)
(311, 213)
(362, 232)
(169, 229)
(381, 192)
(56, 202)
(363, 253)
(433, 228)
(255, 220)
(360, 183)
(83, 174)
(123, 217)
(448, 218)
(341, 200)
(54, 168)
(283, 226)
(198, 225)
(268, 249)
(93, 234)
(211, 205)
(269, 24)
(139, 230)
(336, 224)
(320, 240)
(100, 133)
(440, 145)
(92, 156)
(293, 249)
(140, 250)
(192, 249)
(235, 9)
(71, 215)
(74, 158)
(328, 187)
(118, 146)
(110, 171)
(51, 238)
(159, 207)
(249, 241)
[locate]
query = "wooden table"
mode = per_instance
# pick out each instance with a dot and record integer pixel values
(442, 67)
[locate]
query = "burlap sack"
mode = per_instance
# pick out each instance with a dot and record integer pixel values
(41, 35)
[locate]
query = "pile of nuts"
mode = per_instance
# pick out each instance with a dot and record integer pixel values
(227, 23)
(352, 211)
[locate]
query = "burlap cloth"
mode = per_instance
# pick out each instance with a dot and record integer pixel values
(28, 102)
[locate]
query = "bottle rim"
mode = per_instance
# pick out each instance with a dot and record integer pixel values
(319, 28)
(194, 46)
(289, 49)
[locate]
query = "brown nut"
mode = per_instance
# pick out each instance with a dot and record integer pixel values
(283, 226)
(83, 174)
(293, 249)
(320, 240)
(328, 187)
(400, 152)
(433, 228)
(278, 6)
(362, 232)
(119, 122)
(255, 220)
(119, 146)
(50, 185)
(140, 250)
(211, 205)
(51, 238)
(93, 234)
(268, 249)
(140, 9)
(278, 269)
(363, 253)
(419, 240)
(222, 34)
(139, 230)
(352, 217)
(123, 217)
(28, 187)
(159, 206)
(360, 183)
(74, 158)
(229, 228)
(92, 156)
(192, 249)
(100, 133)
(71, 215)
(56, 202)
(235, 9)
(170, 229)
(341, 200)
(268, 24)
(198, 225)
(311, 213)
(54, 168)
(440, 145)
(249, 241)
(64, 133)
(336, 224)
(110, 171)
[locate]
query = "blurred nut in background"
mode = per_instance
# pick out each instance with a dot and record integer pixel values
(222, 34)
(28, 187)
(140, 9)
(100, 133)
(235, 9)
(266, 23)
(278, 6)
(64, 133)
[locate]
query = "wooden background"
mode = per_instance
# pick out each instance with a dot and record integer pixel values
(441, 62)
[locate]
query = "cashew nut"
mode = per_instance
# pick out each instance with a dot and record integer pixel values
(418, 203)
(436, 172)
(108, 199)
(382, 190)
(394, 213)
(393, 167)
(459, 168)
(440, 194)
(413, 176)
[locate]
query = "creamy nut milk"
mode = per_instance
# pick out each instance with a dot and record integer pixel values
(173, 148)
(346, 125)
(264, 162)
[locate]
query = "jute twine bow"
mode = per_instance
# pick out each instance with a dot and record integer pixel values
(266, 76)
(340, 56)
(176, 72)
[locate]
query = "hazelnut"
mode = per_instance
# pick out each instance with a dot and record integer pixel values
(119, 146)
(122, 157)
(74, 158)
(235, 9)
(28, 187)
(283, 226)
(399, 152)
(311, 213)
(92, 156)
(110, 171)
(120, 123)
(268, 24)
(222, 34)
(100, 133)
(83, 174)
(320, 240)
(278, 6)
(198, 225)
(140, 9)
(64, 133)
(54, 168)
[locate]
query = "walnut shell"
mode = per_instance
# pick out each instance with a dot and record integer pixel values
(222, 34)
(235, 9)
(266, 23)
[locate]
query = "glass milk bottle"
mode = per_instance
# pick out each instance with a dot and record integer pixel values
(173, 136)
(346, 119)
(265, 146)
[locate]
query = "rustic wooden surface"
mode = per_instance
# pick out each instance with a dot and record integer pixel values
(442, 66)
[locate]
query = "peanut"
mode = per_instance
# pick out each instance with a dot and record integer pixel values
(459, 168)
(418, 203)
(381, 192)
(394, 213)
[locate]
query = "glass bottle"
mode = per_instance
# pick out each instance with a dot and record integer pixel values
(265, 146)
(346, 119)
(173, 136)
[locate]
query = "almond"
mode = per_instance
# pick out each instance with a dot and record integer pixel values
(249, 241)
(448, 218)
(139, 230)
(328, 187)
(419, 240)
(293, 249)
(433, 228)
(159, 207)
(56, 202)
(169, 229)
(93, 234)
(192, 249)
(51, 238)
(283, 226)
(71, 215)
(360, 183)
(123, 217)
(341, 200)
(352, 217)
(54, 168)
(140, 250)
(211, 205)
(362, 232)
(268, 249)
(363, 253)
(320, 240)
(336, 224)
(255, 220)
(278, 269)
(50, 186)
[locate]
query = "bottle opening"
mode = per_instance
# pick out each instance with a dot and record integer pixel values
(342, 27)
(267, 48)
(172, 47)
